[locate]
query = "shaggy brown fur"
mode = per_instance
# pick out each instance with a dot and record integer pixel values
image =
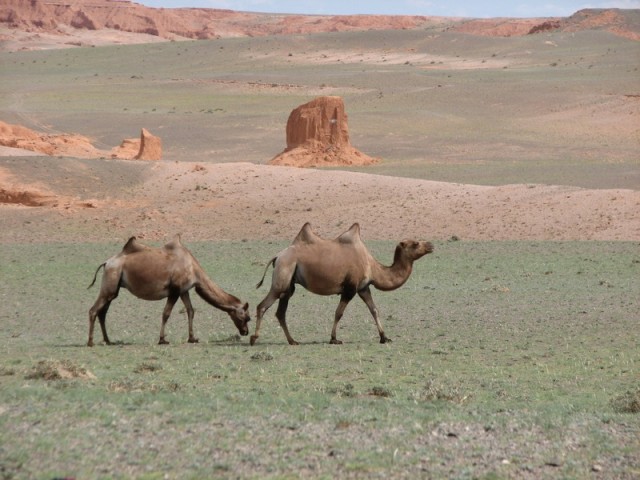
(342, 266)
(156, 273)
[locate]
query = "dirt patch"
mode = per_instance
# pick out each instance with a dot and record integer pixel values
(24, 197)
(59, 370)
(14, 193)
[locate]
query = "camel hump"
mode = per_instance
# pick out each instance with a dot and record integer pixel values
(352, 235)
(132, 246)
(306, 235)
(175, 243)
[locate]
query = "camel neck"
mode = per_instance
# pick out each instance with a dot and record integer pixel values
(214, 295)
(390, 278)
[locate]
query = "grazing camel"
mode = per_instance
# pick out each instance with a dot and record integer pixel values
(342, 267)
(156, 273)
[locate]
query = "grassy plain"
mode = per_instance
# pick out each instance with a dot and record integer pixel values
(509, 360)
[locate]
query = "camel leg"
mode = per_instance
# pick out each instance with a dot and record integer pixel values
(102, 316)
(263, 306)
(344, 301)
(99, 309)
(171, 301)
(187, 303)
(281, 314)
(368, 299)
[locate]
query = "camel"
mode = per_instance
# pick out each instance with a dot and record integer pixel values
(342, 266)
(157, 273)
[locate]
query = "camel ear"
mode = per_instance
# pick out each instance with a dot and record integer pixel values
(246, 306)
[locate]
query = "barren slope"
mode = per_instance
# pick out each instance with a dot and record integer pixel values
(114, 199)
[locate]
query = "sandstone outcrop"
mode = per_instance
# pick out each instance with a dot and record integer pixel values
(17, 136)
(147, 147)
(150, 146)
(318, 135)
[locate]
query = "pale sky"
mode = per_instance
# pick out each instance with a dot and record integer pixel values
(456, 8)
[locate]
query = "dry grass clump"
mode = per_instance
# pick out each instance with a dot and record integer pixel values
(58, 370)
(128, 385)
(262, 356)
(434, 391)
(146, 367)
(5, 372)
(629, 402)
(378, 391)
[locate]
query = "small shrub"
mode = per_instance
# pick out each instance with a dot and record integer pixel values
(262, 356)
(436, 392)
(345, 391)
(380, 392)
(628, 402)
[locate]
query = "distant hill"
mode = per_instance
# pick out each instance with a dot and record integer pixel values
(71, 19)
(625, 23)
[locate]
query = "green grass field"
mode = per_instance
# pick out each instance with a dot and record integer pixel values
(508, 360)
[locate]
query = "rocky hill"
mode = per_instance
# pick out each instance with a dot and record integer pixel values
(625, 23)
(69, 21)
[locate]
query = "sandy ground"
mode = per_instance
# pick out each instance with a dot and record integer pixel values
(243, 201)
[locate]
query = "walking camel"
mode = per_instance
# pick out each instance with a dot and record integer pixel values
(342, 266)
(156, 273)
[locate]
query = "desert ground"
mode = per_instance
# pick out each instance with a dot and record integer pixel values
(484, 138)
(515, 352)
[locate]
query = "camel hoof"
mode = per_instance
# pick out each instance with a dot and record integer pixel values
(335, 341)
(253, 339)
(89, 344)
(193, 340)
(163, 342)
(293, 342)
(385, 340)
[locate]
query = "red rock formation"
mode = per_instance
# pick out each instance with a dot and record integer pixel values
(17, 136)
(497, 27)
(203, 23)
(318, 135)
(147, 147)
(150, 147)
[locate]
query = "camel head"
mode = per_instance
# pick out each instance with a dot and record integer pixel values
(412, 250)
(241, 317)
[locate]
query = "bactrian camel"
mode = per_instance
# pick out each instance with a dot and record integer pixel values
(342, 266)
(156, 273)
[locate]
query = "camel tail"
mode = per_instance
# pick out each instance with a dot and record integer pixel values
(271, 262)
(95, 275)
